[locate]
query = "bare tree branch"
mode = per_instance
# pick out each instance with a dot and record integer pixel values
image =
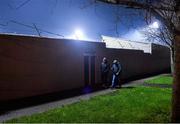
(137, 5)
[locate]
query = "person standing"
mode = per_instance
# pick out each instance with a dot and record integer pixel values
(116, 69)
(105, 67)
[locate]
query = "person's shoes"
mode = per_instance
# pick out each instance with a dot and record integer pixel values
(118, 86)
(104, 86)
(112, 87)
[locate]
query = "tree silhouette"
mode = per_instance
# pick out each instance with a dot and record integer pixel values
(162, 36)
(168, 12)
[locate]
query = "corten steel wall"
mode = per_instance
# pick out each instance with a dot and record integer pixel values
(32, 66)
(136, 63)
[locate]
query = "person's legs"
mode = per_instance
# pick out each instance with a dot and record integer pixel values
(116, 81)
(103, 78)
(113, 80)
(106, 79)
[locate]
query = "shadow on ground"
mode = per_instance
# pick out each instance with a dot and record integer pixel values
(6, 106)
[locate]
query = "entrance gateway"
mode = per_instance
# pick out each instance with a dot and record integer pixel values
(89, 69)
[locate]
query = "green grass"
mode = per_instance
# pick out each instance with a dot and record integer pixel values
(139, 104)
(161, 80)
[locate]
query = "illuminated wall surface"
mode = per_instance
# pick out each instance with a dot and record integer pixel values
(32, 66)
(117, 43)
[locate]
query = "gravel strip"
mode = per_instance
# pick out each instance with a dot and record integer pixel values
(141, 81)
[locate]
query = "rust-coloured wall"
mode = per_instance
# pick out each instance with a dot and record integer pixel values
(136, 63)
(33, 66)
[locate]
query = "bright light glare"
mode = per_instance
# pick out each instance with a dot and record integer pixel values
(79, 34)
(155, 25)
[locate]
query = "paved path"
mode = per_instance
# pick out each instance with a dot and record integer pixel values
(55, 104)
(48, 106)
(142, 82)
(158, 85)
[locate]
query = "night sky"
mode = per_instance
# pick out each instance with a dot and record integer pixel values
(65, 16)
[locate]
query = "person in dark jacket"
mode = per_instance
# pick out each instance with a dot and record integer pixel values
(105, 67)
(116, 70)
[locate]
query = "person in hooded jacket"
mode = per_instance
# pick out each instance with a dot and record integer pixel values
(116, 70)
(105, 67)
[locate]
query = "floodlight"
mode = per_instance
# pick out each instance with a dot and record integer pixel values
(79, 34)
(155, 25)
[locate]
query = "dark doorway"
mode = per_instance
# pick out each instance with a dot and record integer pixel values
(89, 70)
(92, 70)
(86, 70)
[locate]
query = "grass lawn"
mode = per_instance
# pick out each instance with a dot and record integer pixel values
(161, 80)
(139, 104)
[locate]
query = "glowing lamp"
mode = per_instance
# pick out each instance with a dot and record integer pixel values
(155, 25)
(79, 34)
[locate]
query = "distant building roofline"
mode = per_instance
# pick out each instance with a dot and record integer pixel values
(119, 43)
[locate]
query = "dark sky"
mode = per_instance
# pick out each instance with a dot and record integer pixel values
(65, 16)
